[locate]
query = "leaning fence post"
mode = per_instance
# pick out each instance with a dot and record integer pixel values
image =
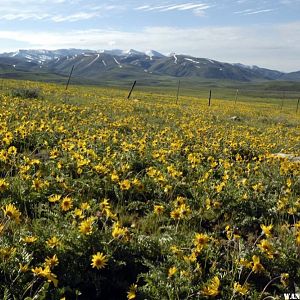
(236, 96)
(283, 98)
(128, 97)
(69, 78)
(297, 105)
(209, 99)
(177, 91)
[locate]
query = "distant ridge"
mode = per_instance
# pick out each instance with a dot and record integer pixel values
(115, 64)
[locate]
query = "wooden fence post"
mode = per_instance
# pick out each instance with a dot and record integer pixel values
(209, 99)
(128, 97)
(70, 77)
(297, 105)
(283, 98)
(178, 91)
(236, 96)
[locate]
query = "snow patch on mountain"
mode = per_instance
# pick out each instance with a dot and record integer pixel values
(191, 60)
(175, 58)
(132, 52)
(94, 60)
(120, 66)
(211, 61)
(153, 53)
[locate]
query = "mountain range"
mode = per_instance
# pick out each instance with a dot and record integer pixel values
(130, 64)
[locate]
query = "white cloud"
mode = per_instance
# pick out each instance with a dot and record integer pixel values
(55, 18)
(259, 11)
(30, 2)
(197, 8)
(250, 11)
(243, 11)
(143, 7)
(74, 17)
(53, 10)
(185, 6)
(259, 45)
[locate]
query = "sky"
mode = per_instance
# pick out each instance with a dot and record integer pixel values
(253, 32)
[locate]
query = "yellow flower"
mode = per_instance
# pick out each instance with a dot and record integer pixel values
(245, 263)
(114, 177)
(53, 242)
(200, 240)
(66, 204)
(173, 172)
(54, 153)
(78, 213)
(212, 289)
(7, 252)
(245, 196)
(101, 169)
(51, 261)
(298, 238)
(131, 294)
(184, 274)
(297, 225)
(29, 239)
(37, 271)
(125, 185)
(1, 228)
(119, 232)
(109, 214)
(192, 257)
(267, 229)
(185, 210)
(179, 201)
(8, 138)
(54, 198)
(12, 212)
(104, 204)
(12, 150)
(172, 271)
(217, 204)
(284, 279)
(86, 226)
(266, 248)
(257, 266)
(85, 206)
(220, 187)
(175, 214)
(39, 184)
(23, 268)
(3, 185)
(208, 204)
(46, 273)
(158, 209)
(138, 184)
(99, 260)
(240, 289)
(176, 251)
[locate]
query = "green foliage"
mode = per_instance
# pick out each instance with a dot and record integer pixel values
(26, 93)
(102, 198)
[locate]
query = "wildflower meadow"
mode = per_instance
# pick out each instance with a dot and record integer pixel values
(102, 197)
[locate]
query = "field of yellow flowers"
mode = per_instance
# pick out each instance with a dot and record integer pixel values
(107, 198)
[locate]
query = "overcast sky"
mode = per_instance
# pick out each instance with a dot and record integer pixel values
(254, 32)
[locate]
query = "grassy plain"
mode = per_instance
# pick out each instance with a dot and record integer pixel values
(108, 198)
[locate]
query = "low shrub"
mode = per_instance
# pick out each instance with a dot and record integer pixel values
(26, 93)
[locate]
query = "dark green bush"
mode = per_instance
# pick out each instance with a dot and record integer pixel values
(26, 93)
